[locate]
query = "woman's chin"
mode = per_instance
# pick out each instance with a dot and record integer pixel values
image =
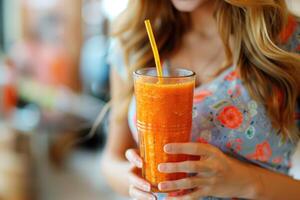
(187, 5)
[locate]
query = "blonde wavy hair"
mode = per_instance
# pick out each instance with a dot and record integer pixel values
(271, 74)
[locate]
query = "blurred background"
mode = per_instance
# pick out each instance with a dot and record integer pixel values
(53, 83)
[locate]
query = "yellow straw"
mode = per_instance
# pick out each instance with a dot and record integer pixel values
(154, 48)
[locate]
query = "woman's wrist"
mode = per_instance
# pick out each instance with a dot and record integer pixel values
(256, 183)
(251, 181)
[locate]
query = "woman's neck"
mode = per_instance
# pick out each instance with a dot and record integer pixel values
(203, 21)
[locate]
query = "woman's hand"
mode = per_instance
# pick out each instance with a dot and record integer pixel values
(217, 174)
(139, 188)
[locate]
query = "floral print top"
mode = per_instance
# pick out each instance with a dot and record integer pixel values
(226, 116)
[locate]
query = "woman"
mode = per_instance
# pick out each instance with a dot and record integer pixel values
(244, 121)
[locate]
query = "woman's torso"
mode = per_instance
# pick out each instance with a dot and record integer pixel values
(226, 116)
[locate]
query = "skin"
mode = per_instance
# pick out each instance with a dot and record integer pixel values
(217, 174)
(188, 5)
(204, 59)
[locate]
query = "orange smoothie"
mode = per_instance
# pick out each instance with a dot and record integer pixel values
(164, 115)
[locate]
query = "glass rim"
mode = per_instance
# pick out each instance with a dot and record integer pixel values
(192, 73)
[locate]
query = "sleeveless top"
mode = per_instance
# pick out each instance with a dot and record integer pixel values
(225, 116)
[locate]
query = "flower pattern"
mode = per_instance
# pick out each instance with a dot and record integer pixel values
(232, 76)
(250, 132)
(202, 140)
(201, 95)
(263, 152)
(235, 145)
(289, 30)
(231, 117)
(277, 160)
(236, 92)
(195, 112)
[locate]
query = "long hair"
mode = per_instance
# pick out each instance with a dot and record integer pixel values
(271, 75)
(169, 26)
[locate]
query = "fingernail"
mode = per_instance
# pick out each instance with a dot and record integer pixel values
(138, 163)
(127, 155)
(152, 198)
(167, 148)
(162, 186)
(147, 187)
(161, 168)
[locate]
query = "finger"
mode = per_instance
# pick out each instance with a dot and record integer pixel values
(139, 183)
(183, 184)
(195, 194)
(134, 158)
(190, 149)
(186, 166)
(138, 194)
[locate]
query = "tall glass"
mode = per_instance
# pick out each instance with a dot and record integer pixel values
(164, 115)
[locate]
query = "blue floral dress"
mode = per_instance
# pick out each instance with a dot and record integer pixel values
(227, 117)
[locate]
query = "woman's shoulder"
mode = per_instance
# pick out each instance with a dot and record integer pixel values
(290, 36)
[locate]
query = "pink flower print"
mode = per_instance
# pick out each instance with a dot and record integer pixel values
(236, 92)
(288, 31)
(205, 136)
(277, 160)
(229, 145)
(238, 140)
(263, 152)
(231, 117)
(201, 95)
(238, 144)
(202, 140)
(235, 145)
(231, 76)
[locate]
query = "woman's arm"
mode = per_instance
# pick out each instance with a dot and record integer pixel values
(114, 165)
(274, 186)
